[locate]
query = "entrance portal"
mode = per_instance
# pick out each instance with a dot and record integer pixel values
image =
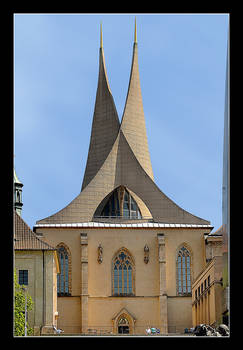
(123, 326)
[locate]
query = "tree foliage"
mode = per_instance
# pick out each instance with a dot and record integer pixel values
(19, 308)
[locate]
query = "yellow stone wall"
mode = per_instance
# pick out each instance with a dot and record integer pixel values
(33, 262)
(207, 308)
(98, 304)
(179, 314)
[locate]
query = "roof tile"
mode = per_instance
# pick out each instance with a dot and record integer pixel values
(25, 238)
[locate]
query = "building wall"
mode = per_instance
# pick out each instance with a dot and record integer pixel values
(102, 311)
(207, 307)
(33, 262)
(179, 314)
(69, 310)
(145, 306)
(71, 238)
(146, 275)
(193, 239)
(213, 247)
(29, 261)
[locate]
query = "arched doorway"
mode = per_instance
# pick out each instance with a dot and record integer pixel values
(123, 322)
(123, 326)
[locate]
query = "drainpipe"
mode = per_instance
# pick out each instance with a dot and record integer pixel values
(43, 290)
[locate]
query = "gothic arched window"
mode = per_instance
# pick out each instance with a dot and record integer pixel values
(64, 278)
(123, 274)
(121, 204)
(183, 271)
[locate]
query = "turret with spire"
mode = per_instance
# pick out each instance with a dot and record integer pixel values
(18, 204)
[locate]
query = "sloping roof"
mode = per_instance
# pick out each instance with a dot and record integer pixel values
(25, 238)
(133, 120)
(105, 126)
(218, 232)
(119, 156)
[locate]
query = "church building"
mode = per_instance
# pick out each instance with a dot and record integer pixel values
(128, 254)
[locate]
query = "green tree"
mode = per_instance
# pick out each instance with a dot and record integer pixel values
(19, 308)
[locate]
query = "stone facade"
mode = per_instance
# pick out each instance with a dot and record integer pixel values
(207, 294)
(156, 301)
(40, 261)
(207, 286)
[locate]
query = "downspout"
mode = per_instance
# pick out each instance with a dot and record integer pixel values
(43, 290)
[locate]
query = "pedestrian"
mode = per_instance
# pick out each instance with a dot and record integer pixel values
(148, 330)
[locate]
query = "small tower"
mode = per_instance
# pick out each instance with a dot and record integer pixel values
(17, 194)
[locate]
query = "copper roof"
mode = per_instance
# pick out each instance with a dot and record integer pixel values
(25, 238)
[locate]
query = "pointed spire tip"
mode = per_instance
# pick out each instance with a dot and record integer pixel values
(135, 32)
(101, 38)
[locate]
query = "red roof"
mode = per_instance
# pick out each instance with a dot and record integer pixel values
(25, 238)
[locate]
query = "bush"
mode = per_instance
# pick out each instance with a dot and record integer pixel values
(19, 309)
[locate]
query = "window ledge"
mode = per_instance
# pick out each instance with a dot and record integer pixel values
(123, 295)
(64, 294)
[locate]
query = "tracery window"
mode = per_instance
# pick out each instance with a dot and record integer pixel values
(121, 204)
(123, 274)
(183, 272)
(63, 279)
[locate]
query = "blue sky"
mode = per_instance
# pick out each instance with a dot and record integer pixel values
(182, 65)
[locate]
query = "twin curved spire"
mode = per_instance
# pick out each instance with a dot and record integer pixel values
(119, 157)
(106, 125)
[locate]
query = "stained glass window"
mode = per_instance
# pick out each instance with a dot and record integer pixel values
(183, 272)
(63, 277)
(123, 274)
